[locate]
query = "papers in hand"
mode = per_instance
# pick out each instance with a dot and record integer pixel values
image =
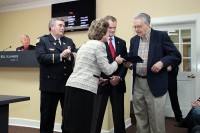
(133, 59)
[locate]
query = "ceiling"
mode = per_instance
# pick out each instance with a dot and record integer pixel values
(12, 5)
(5, 3)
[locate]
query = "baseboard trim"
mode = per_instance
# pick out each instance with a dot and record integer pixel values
(57, 127)
(31, 123)
(127, 124)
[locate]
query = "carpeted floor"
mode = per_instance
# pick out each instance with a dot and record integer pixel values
(170, 128)
(170, 122)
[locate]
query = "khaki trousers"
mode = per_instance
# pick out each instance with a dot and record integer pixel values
(149, 110)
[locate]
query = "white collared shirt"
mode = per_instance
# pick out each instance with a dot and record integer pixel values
(57, 39)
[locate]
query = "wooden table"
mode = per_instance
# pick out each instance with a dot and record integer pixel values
(5, 100)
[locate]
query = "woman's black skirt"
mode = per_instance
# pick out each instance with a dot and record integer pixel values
(78, 109)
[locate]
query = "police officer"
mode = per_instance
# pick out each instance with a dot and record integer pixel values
(54, 53)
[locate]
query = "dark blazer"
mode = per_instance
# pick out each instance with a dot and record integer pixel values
(54, 72)
(21, 48)
(161, 48)
(121, 71)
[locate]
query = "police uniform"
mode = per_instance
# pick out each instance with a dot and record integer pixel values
(54, 72)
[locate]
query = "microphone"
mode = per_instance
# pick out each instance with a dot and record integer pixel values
(7, 48)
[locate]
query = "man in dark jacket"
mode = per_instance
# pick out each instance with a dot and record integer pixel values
(192, 120)
(150, 78)
(54, 54)
(25, 41)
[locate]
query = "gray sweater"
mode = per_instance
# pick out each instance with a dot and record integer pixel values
(91, 60)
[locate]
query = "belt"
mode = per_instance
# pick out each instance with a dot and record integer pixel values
(96, 76)
(144, 77)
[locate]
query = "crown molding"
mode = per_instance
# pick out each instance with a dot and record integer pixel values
(29, 5)
(175, 19)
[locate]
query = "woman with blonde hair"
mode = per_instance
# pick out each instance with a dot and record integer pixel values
(82, 84)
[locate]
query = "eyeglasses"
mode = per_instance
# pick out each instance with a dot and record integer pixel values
(137, 27)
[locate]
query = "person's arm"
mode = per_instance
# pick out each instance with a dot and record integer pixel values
(130, 64)
(121, 72)
(173, 56)
(196, 103)
(102, 61)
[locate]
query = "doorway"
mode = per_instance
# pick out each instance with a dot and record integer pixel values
(184, 34)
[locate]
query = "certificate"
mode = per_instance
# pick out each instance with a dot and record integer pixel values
(133, 59)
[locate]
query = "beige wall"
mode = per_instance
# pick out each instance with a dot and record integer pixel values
(34, 22)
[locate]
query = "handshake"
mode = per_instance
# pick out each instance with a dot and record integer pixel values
(128, 61)
(119, 59)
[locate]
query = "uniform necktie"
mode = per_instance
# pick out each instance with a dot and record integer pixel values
(58, 43)
(112, 50)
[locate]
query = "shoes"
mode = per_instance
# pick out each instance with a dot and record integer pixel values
(178, 124)
(181, 123)
(178, 118)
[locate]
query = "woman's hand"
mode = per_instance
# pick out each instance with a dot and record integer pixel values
(119, 59)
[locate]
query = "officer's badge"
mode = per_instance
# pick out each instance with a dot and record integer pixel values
(54, 43)
(51, 49)
(63, 43)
